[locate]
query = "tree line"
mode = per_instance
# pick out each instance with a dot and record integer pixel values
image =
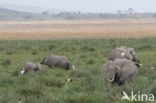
(129, 13)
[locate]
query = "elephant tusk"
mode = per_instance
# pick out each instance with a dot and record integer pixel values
(139, 64)
(111, 80)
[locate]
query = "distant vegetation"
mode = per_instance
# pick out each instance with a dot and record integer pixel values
(129, 13)
(88, 86)
(6, 14)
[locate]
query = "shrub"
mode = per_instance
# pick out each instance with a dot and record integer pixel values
(6, 81)
(16, 72)
(26, 47)
(145, 46)
(91, 49)
(34, 52)
(52, 83)
(91, 61)
(6, 62)
(30, 91)
(85, 48)
(79, 73)
(50, 47)
(9, 52)
(83, 56)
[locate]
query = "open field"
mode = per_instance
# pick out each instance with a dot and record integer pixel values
(32, 40)
(88, 86)
(75, 29)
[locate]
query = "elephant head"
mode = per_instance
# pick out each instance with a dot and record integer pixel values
(135, 58)
(112, 70)
(44, 60)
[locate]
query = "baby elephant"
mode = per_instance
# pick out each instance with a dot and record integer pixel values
(119, 71)
(31, 66)
(124, 52)
(56, 61)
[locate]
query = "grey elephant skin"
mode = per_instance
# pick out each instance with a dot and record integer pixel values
(31, 66)
(56, 61)
(124, 52)
(119, 71)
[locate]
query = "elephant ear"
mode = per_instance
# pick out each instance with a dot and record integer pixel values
(46, 59)
(117, 67)
(132, 51)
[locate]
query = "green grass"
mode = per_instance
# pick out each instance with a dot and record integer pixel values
(88, 56)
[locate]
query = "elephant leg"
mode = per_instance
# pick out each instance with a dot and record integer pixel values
(49, 66)
(36, 70)
(122, 80)
(121, 83)
(117, 78)
(133, 76)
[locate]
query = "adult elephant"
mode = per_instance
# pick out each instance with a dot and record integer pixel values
(120, 71)
(124, 52)
(56, 61)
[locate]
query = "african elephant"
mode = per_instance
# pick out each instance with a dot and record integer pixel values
(120, 71)
(31, 66)
(56, 61)
(124, 52)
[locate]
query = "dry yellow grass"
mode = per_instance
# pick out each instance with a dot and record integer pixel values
(75, 29)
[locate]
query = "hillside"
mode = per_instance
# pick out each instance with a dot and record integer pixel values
(7, 14)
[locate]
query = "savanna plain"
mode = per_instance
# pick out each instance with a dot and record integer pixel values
(87, 44)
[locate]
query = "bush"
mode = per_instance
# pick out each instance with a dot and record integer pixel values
(50, 47)
(91, 49)
(91, 61)
(52, 82)
(144, 46)
(30, 91)
(83, 56)
(6, 81)
(79, 73)
(6, 62)
(34, 52)
(85, 48)
(9, 52)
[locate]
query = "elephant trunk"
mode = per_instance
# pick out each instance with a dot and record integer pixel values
(110, 77)
(138, 64)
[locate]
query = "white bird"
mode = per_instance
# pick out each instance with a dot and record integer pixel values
(140, 64)
(69, 80)
(122, 54)
(22, 72)
(73, 67)
(152, 68)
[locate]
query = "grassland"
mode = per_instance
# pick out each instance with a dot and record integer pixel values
(77, 29)
(88, 56)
